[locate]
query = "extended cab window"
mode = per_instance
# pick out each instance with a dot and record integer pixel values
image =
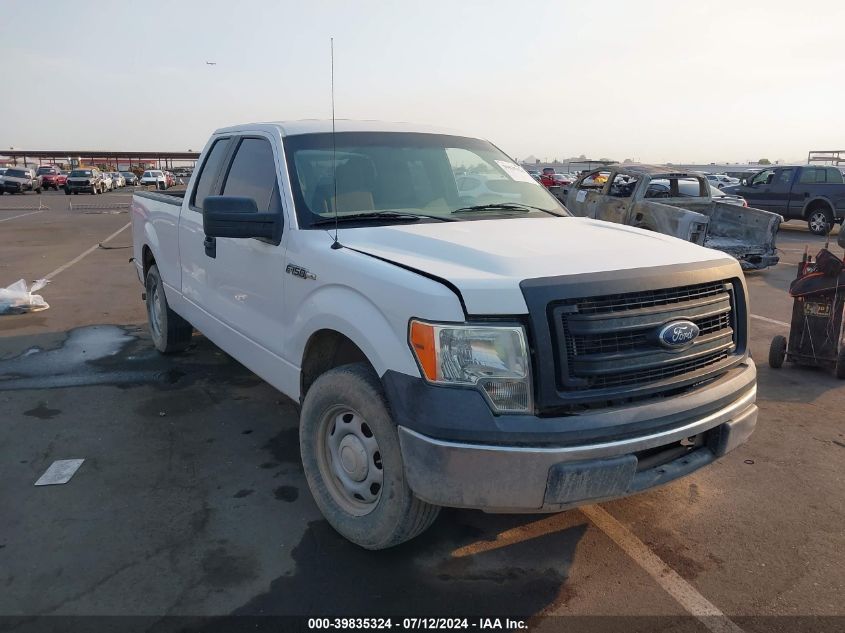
(833, 175)
(210, 170)
(253, 174)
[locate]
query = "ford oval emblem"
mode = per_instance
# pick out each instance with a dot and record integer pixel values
(677, 334)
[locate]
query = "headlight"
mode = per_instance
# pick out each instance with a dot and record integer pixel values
(492, 358)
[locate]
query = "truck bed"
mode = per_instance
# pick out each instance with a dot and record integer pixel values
(167, 196)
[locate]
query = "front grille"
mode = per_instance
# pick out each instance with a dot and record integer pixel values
(646, 299)
(608, 345)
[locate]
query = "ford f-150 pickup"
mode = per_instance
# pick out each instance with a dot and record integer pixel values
(482, 351)
(797, 192)
(677, 204)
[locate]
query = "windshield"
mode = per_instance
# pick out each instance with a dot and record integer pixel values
(79, 173)
(422, 174)
(16, 173)
(45, 170)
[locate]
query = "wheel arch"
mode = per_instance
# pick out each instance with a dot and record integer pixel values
(326, 349)
(815, 202)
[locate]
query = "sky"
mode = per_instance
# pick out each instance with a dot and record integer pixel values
(654, 81)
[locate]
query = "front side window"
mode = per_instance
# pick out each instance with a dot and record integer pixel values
(784, 177)
(209, 172)
(438, 175)
(623, 186)
(765, 177)
(253, 174)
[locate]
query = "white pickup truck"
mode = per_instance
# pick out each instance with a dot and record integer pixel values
(481, 350)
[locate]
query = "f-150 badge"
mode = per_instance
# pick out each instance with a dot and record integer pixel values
(299, 271)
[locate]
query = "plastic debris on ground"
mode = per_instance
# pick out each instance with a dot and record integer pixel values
(17, 298)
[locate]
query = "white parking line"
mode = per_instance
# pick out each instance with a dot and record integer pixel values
(768, 320)
(22, 215)
(684, 593)
(64, 267)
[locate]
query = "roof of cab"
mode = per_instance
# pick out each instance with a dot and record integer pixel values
(650, 170)
(322, 126)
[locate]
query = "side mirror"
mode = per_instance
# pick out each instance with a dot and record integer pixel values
(235, 216)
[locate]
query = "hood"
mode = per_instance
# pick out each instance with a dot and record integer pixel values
(487, 259)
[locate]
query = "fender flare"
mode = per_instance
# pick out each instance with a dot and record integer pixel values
(360, 321)
(810, 202)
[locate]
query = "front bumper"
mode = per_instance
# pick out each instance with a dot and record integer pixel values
(551, 478)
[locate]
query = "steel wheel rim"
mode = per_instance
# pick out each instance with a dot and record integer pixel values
(818, 221)
(349, 460)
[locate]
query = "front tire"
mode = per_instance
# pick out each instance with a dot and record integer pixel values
(170, 332)
(777, 352)
(820, 220)
(840, 364)
(353, 461)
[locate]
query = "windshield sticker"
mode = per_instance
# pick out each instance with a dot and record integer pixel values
(515, 172)
(581, 195)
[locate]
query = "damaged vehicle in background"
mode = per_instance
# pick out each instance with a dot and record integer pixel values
(678, 204)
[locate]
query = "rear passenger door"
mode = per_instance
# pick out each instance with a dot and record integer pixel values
(242, 285)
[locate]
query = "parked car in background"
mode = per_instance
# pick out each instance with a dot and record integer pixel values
(49, 177)
(129, 178)
(20, 180)
(797, 192)
(86, 180)
(676, 203)
(61, 179)
(722, 180)
(108, 182)
(118, 180)
(154, 177)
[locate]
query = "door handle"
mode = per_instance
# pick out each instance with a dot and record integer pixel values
(210, 244)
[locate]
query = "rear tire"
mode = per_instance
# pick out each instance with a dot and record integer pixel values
(777, 352)
(820, 220)
(345, 412)
(170, 332)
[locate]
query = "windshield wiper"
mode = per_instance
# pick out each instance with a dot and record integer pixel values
(507, 206)
(379, 215)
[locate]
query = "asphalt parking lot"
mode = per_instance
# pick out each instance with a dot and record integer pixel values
(192, 501)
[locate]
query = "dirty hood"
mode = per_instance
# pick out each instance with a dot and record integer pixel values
(487, 259)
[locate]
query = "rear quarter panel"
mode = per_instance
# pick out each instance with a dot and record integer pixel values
(155, 225)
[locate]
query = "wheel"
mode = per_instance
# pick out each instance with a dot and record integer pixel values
(67, 192)
(777, 352)
(840, 364)
(820, 220)
(170, 332)
(38, 190)
(353, 462)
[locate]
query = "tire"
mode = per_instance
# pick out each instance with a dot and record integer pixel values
(170, 332)
(840, 364)
(67, 192)
(39, 190)
(777, 352)
(351, 396)
(820, 220)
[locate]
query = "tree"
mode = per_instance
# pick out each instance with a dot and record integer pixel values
(764, 161)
